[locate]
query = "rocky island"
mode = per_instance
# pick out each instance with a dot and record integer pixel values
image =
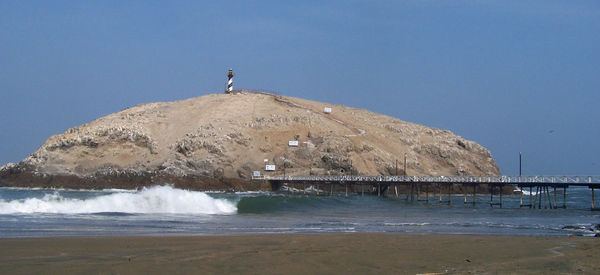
(217, 141)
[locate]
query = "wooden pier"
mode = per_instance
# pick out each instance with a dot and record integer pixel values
(535, 191)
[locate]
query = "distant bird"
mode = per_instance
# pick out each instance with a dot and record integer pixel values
(551, 131)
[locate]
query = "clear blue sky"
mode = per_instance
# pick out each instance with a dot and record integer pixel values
(510, 75)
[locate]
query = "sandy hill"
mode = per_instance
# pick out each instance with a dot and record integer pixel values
(227, 136)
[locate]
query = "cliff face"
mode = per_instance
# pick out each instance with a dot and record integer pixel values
(230, 135)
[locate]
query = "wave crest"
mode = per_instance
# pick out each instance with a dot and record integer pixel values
(157, 199)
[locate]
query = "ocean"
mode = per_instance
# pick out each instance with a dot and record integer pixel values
(164, 210)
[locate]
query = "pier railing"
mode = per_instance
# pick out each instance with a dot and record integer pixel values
(570, 180)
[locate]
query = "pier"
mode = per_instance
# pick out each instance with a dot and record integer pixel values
(534, 191)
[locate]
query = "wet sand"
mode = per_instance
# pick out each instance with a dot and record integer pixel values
(301, 254)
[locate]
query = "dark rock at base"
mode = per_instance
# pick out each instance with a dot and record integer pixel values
(20, 176)
(128, 181)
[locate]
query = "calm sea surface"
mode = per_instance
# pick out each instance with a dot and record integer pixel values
(163, 210)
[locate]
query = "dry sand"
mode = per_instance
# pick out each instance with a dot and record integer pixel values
(301, 254)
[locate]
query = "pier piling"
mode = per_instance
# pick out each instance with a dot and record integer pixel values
(593, 199)
(530, 198)
(565, 197)
(474, 193)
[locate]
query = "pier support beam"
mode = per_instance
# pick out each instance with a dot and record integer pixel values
(441, 189)
(501, 185)
(474, 193)
(565, 197)
(530, 198)
(593, 200)
(520, 197)
(541, 197)
(530, 205)
(491, 195)
(492, 203)
(550, 205)
(426, 193)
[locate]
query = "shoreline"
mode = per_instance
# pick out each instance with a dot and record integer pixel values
(302, 253)
(254, 234)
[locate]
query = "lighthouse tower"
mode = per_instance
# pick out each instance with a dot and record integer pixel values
(229, 88)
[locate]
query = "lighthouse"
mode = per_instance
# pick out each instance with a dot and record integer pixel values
(229, 88)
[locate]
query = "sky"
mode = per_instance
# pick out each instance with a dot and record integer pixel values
(513, 76)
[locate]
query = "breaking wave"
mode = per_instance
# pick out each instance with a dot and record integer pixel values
(157, 199)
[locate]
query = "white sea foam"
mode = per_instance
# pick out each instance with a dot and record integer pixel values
(158, 199)
(525, 192)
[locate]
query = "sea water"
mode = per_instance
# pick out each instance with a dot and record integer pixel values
(164, 210)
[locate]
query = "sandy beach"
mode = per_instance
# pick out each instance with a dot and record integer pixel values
(301, 254)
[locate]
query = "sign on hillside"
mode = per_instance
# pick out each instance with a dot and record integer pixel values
(293, 143)
(270, 167)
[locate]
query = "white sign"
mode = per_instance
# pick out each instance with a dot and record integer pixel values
(293, 143)
(270, 168)
(256, 174)
(327, 110)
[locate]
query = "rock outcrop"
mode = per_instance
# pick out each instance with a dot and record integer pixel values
(221, 138)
